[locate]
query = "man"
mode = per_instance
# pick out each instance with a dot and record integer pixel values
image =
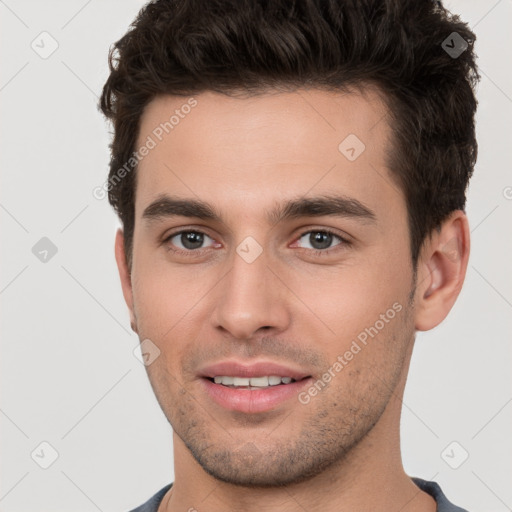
(291, 181)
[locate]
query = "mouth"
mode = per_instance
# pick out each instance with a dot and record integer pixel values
(253, 388)
(252, 382)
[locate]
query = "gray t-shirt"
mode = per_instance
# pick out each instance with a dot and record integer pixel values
(432, 488)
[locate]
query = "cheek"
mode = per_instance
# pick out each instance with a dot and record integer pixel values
(155, 296)
(352, 297)
(164, 305)
(166, 296)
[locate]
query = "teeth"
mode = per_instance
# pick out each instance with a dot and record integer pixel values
(241, 381)
(252, 382)
(224, 380)
(258, 382)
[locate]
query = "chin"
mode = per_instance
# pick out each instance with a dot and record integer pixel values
(280, 466)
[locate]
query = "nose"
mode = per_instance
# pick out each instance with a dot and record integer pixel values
(251, 299)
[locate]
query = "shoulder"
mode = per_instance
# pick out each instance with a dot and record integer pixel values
(433, 488)
(153, 503)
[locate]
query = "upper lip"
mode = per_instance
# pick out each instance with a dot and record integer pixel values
(257, 369)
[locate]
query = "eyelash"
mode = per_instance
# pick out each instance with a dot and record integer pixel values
(317, 252)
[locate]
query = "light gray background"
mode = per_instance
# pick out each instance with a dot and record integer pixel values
(69, 376)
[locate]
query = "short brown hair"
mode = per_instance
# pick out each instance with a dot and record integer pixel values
(184, 47)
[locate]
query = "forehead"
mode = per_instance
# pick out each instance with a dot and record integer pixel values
(254, 151)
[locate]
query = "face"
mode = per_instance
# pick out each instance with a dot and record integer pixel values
(268, 244)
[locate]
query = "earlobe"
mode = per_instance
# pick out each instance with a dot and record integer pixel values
(125, 277)
(441, 271)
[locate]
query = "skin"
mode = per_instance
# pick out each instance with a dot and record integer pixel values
(340, 451)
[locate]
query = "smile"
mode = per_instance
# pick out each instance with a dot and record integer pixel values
(253, 382)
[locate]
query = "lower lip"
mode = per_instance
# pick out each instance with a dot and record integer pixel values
(253, 400)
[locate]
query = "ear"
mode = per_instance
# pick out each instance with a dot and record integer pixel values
(441, 271)
(124, 274)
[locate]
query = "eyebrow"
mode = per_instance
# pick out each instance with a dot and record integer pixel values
(326, 205)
